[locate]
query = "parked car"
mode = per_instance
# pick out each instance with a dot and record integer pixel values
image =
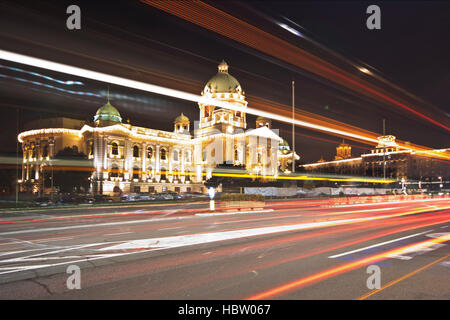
(43, 202)
(164, 196)
(146, 197)
(102, 199)
(175, 195)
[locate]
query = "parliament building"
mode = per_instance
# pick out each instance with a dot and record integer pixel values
(127, 158)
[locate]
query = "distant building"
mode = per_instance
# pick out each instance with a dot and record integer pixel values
(137, 159)
(386, 159)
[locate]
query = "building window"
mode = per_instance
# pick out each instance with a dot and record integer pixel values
(236, 155)
(238, 114)
(114, 171)
(187, 156)
(187, 176)
(175, 155)
(136, 151)
(135, 172)
(163, 173)
(114, 149)
(163, 154)
(149, 152)
(45, 152)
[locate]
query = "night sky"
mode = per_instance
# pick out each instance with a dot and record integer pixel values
(134, 40)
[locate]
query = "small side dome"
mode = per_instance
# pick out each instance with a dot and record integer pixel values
(108, 113)
(284, 146)
(182, 119)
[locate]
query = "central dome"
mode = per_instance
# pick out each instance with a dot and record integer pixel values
(223, 82)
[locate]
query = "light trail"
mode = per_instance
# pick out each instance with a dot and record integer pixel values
(403, 278)
(98, 76)
(103, 77)
(338, 270)
(214, 19)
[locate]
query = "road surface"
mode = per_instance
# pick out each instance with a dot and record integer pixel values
(300, 249)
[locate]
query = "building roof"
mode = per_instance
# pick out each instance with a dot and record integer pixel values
(263, 132)
(223, 82)
(108, 113)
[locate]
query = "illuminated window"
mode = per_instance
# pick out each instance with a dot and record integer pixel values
(135, 172)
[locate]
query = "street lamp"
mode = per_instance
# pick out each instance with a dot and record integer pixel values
(211, 193)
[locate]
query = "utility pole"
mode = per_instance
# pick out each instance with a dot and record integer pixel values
(293, 126)
(17, 158)
(384, 151)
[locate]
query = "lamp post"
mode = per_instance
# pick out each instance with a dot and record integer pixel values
(293, 126)
(211, 193)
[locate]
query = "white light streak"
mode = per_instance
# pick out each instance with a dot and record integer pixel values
(84, 73)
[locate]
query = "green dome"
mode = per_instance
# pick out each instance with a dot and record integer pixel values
(223, 82)
(108, 113)
(284, 145)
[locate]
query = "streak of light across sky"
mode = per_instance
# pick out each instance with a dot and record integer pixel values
(98, 76)
(247, 34)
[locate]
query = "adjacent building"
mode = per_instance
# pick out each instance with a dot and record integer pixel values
(387, 160)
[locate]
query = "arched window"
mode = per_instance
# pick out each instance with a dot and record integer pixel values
(175, 155)
(114, 149)
(114, 171)
(136, 151)
(149, 152)
(135, 172)
(163, 154)
(163, 173)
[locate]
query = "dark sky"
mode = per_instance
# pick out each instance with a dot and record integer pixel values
(133, 40)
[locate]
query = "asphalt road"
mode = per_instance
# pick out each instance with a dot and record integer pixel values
(289, 250)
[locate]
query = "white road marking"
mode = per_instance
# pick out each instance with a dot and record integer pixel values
(115, 234)
(231, 213)
(377, 245)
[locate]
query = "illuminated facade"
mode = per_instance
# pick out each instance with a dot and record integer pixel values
(127, 158)
(388, 160)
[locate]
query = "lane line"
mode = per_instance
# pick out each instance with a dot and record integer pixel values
(115, 234)
(377, 245)
(402, 278)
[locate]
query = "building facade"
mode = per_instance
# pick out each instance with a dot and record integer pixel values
(127, 158)
(387, 160)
